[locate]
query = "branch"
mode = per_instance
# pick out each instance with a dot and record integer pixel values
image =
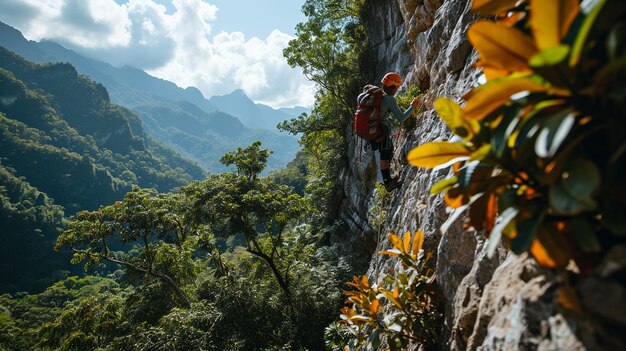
(163, 277)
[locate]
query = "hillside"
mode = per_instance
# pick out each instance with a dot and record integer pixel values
(158, 103)
(126, 85)
(66, 147)
(205, 136)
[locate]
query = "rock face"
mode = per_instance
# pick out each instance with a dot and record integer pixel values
(505, 302)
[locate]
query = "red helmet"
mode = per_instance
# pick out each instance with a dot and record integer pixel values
(392, 78)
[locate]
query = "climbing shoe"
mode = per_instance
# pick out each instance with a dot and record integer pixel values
(392, 184)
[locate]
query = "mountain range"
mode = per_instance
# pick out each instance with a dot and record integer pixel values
(199, 128)
(77, 133)
(64, 147)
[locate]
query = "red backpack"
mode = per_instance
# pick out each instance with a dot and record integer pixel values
(367, 115)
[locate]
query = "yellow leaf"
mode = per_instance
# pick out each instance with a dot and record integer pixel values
(488, 97)
(364, 282)
(449, 111)
(491, 213)
(392, 252)
(395, 241)
(550, 20)
(501, 46)
(396, 292)
(549, 251)
(492, 7)
(406, 241)
(360, 283)
(454, 199)
(482, 153)
(375, 305)
(492, 72)
(418, 241)
(347, 312)
(568, 298)
(452, 114)
(360, 319)
(434, 154)
(390, 296)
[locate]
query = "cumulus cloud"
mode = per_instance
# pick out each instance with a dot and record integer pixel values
(178, 45)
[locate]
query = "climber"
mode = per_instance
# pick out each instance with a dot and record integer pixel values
(388, 106)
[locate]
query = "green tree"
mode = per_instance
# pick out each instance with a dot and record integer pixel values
(249, 162)
(154, 223)
(242, 203)
(328, 48)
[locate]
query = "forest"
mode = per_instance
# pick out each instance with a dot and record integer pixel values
(180, 260)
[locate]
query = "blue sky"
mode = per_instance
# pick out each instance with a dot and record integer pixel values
(252, 17)
(215, 45)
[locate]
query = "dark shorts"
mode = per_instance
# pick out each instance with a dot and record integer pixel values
(383, 144)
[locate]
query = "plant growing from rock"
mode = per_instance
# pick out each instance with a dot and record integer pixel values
(404, 98)
(538, 156)
(410, 314)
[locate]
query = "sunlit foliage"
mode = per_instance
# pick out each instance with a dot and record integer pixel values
(401, 309)
(538, 157)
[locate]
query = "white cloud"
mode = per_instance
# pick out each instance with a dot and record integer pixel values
(89, 24)
(177, 46)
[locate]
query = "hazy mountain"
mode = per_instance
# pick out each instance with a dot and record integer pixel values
(205, 137)
(250, 113)
(126, 85)
(295, 111)
(181, 118)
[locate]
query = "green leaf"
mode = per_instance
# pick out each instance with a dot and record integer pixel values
(503, 220)
(573, 192)
(584, 31)
(374, 339)
(584, 235)
(550, 57)
(443, 185)
(551, 64)
(616, 42)
(503, 131)
(482, 153)
(607, 74)
(527, 229)
(396, 343)
(614, 217)
(555, 130)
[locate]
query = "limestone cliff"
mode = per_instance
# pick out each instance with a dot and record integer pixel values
(504, 302)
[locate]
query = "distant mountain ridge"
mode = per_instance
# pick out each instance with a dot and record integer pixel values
(181, 118)
(121, 81)
(118, 81)
(253, 114)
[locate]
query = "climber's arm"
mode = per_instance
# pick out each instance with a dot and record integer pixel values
(392, 105)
